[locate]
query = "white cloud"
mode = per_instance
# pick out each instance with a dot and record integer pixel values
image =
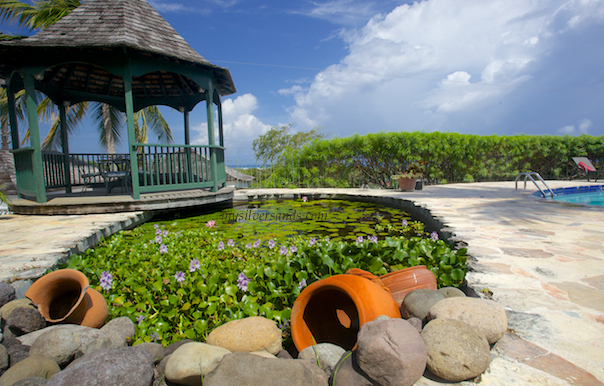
(240, 126)
(345, 12)
(581, 128)
(162, 6)
(425, 65)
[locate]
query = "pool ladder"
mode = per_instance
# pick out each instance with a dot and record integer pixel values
(530, 175)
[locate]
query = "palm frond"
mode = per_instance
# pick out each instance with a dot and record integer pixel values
(157, 124)
(39, 15)
(74, 116)
(115, 123)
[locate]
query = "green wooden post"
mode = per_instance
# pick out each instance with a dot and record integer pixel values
(130, 124)
(12, 116)
(34, 138)
(211, 139)
(188, 150)
(65, 145)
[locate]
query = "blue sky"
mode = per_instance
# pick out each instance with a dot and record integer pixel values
(484, 67)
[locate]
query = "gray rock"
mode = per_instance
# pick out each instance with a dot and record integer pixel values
(97, 344)
(284, 354)
(7, 334)
(86, 334)
(60, 344)
(31, 381)
(21, 287)
(24, 320)
(113, 366)
(417, 303)
(391, 352)
(155, 349)
(9, 342)
(4, 359)
(326, 355)
(33, 366)
(484, 315)
(451, 292)
(416, 323)
(456, 351)
(193, 360)
(17, 353)
(120, 330)
(171, 348)
(161, 366)
(244, 369)
(6, 309)
(348, 373)
(7, 293)
(254, 333)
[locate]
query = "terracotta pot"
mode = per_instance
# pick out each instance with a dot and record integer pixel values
(333, 309)
(407, 184)
(403, 281)
(64, 296)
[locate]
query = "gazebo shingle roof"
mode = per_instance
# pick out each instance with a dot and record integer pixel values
(112, 23)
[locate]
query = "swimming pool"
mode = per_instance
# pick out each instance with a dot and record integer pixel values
(582, 195)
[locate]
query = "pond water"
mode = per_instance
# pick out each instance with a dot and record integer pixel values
(336, 219)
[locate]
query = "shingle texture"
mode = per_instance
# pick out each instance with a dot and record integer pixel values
(111, 23)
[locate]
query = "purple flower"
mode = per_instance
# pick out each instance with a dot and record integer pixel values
(248, 246)
(106, 280)
(302, 284)
(158, 231)
(156, 226)
(271, 243)
(179, 276)
(158, 239)
(194, 265)
(257, 243)
(293, 249)
(163, 249)
(154, 336)
(231, 243)
(312, 241)
(140, 319)
(434, 236)
(221, 245)
(283, 250)
(359, 239)
(166, 233)
(373, 239)
(304, 199)
(242, 281)
(404, 223)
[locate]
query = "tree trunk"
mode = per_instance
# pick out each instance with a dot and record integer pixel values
(5, 135)
(108, 129)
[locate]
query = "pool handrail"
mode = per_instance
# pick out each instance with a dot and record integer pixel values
(530, 175)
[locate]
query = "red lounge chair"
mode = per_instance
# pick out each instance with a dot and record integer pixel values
(586, 166)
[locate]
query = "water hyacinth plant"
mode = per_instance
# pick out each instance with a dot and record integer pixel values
(196, 279)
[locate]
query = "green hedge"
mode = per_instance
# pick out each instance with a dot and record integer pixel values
(450, 157)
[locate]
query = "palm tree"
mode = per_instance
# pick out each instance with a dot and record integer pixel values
(108, 120)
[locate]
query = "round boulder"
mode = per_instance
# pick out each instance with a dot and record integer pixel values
(486, 316)
(391, 352)
(255, 333)
(326, 355)
(7, 293)
(192, 361)
(60, 344)
(24, 320)
(418, 302)
(33, 366)
(8, 308)
(456, 352)
(451, 292)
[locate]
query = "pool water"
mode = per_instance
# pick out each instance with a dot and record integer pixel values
(582, 195)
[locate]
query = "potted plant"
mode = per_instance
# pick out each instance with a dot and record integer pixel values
(408, 178)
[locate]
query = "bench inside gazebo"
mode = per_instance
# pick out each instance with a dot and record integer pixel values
(122, 53)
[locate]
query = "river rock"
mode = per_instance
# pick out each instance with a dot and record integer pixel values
(416, 323)
(120, 330)
(33, 366)
(24, 320)
(193, 360)
(326, 354)
(456, 351)
(17, 353)
(10, 306)
(31, 381)
(255, 333)
(111, 366)
(245, 369)
(60, 344)
(7, 293)
(348, 373)
(86, 334)
(391, 352)
(171, 348)
(484, 315)
(97, 344)
(451, 292)
(155, 349)
(418, 302)
(4, 359)
(21, 287)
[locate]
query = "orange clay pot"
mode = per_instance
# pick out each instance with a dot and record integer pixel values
(332, 310)
(403, 281)
(63, 296)
(407, 184)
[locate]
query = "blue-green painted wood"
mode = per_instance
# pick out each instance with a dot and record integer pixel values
(34, 138)
(211, 139)
(65, 146)
(130, 125)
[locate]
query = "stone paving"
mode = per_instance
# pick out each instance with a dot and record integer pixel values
(542, 260)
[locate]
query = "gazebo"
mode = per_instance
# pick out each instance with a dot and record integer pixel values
(122, 53)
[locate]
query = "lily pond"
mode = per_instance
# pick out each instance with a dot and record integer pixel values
(182, 277)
